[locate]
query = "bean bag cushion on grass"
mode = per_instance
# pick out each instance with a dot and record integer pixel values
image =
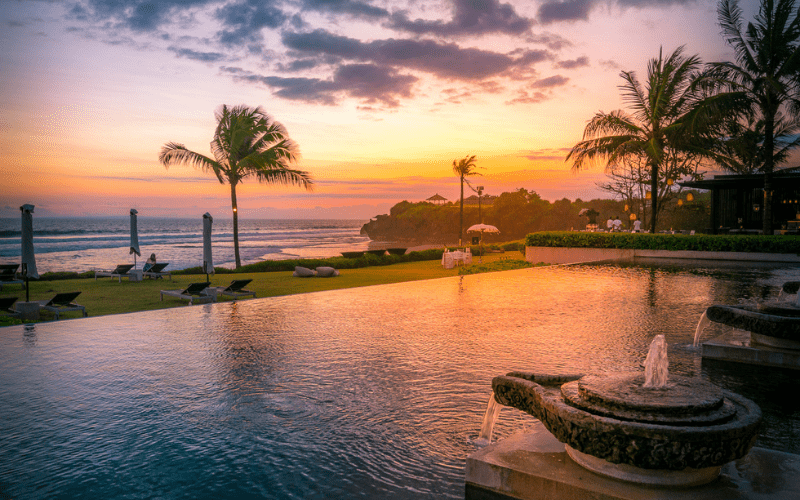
(303, 272)
(326, 272)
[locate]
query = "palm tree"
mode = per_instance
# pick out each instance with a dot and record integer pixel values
(656, 131)
(247, 143)
(464, 168)
(766, 73)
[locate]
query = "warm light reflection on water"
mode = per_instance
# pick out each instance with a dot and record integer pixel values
(373, 392)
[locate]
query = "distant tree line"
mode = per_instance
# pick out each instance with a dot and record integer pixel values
(521, 212)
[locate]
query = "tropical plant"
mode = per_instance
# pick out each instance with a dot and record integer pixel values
(664, 111)
(463, 169)
(246, 143)
(766, 74)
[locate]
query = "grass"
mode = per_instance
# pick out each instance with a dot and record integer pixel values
(108, 296)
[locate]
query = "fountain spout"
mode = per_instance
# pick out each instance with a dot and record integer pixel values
(656, 365)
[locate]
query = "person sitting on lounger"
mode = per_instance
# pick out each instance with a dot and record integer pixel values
(150, 262)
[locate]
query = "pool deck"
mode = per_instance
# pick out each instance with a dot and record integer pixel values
(734, 346)
(533, 465)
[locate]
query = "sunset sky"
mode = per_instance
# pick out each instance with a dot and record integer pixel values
(381, 96)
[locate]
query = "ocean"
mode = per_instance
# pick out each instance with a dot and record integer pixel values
(83, 244)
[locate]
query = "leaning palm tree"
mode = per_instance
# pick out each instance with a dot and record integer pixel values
(247, 143)
(766, 73)
(655, 131)
(464, 168)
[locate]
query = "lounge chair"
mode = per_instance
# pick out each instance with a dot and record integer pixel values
(235, 289)
(5, 306)
(8, 275)
(157, 271)
(120, 271)
(195, 292)
(62, 302)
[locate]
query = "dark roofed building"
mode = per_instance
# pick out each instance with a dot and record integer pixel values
(737, 201)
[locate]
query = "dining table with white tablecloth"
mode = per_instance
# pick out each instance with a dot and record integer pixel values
(456, 258)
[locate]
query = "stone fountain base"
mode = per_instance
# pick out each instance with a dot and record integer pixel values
(533, 465)
(738, 346)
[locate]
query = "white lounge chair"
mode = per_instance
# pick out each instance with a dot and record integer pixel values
(120, 271)
(61, 303)
(195, 292)
(235, 289)
(157, 271)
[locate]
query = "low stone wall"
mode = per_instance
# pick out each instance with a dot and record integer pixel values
(563, 255)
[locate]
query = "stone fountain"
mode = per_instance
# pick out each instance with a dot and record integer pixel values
(773, 327)
(650, 428)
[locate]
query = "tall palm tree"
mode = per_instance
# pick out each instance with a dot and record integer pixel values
(656, 129)
(246, 143)
(766, 72)
(463, 169)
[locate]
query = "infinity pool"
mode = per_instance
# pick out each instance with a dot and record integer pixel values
(372, 392)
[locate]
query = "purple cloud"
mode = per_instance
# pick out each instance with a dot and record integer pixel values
(470, 18)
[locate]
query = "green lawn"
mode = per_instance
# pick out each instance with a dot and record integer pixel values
(108, 296)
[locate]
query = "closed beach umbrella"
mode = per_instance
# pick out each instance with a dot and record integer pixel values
(28, 257)
(134, 236)
(208, 263)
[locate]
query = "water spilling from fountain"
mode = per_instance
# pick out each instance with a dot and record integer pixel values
(489, 418)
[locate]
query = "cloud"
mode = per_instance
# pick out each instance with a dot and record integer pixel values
(198, 56)
(470, 18)
(571, 10)
(549, 82)
(558, 154)
(243, 21)
(353, 8)
(573, 63)
(445, 60)
(368, 82)
(135, 15)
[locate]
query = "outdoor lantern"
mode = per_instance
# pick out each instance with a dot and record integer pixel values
(648, 196)
(756, 207)
(680, 203)
(670, 182)
(633, 217)
(626, 208)
(689, 197)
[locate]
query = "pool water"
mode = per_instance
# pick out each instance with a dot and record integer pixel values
(374, 392)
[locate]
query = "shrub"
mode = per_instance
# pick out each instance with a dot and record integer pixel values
(644, 241)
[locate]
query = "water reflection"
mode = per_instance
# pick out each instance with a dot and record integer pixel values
(367, 392)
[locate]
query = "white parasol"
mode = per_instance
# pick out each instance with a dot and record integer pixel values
(134, 236)
(28, 256)
(208, 263)
(483, 228)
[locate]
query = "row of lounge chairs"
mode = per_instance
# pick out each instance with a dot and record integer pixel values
(204, 292)
(123, 271)
(61, 303)
(195, 292)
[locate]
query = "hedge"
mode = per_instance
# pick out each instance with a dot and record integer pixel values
(645, 241)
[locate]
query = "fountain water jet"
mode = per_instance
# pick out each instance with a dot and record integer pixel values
(675, 434)
(656, 365)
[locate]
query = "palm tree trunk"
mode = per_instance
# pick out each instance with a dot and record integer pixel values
(461, 217)
(653, 196)
(235, 226)
(769, 146)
